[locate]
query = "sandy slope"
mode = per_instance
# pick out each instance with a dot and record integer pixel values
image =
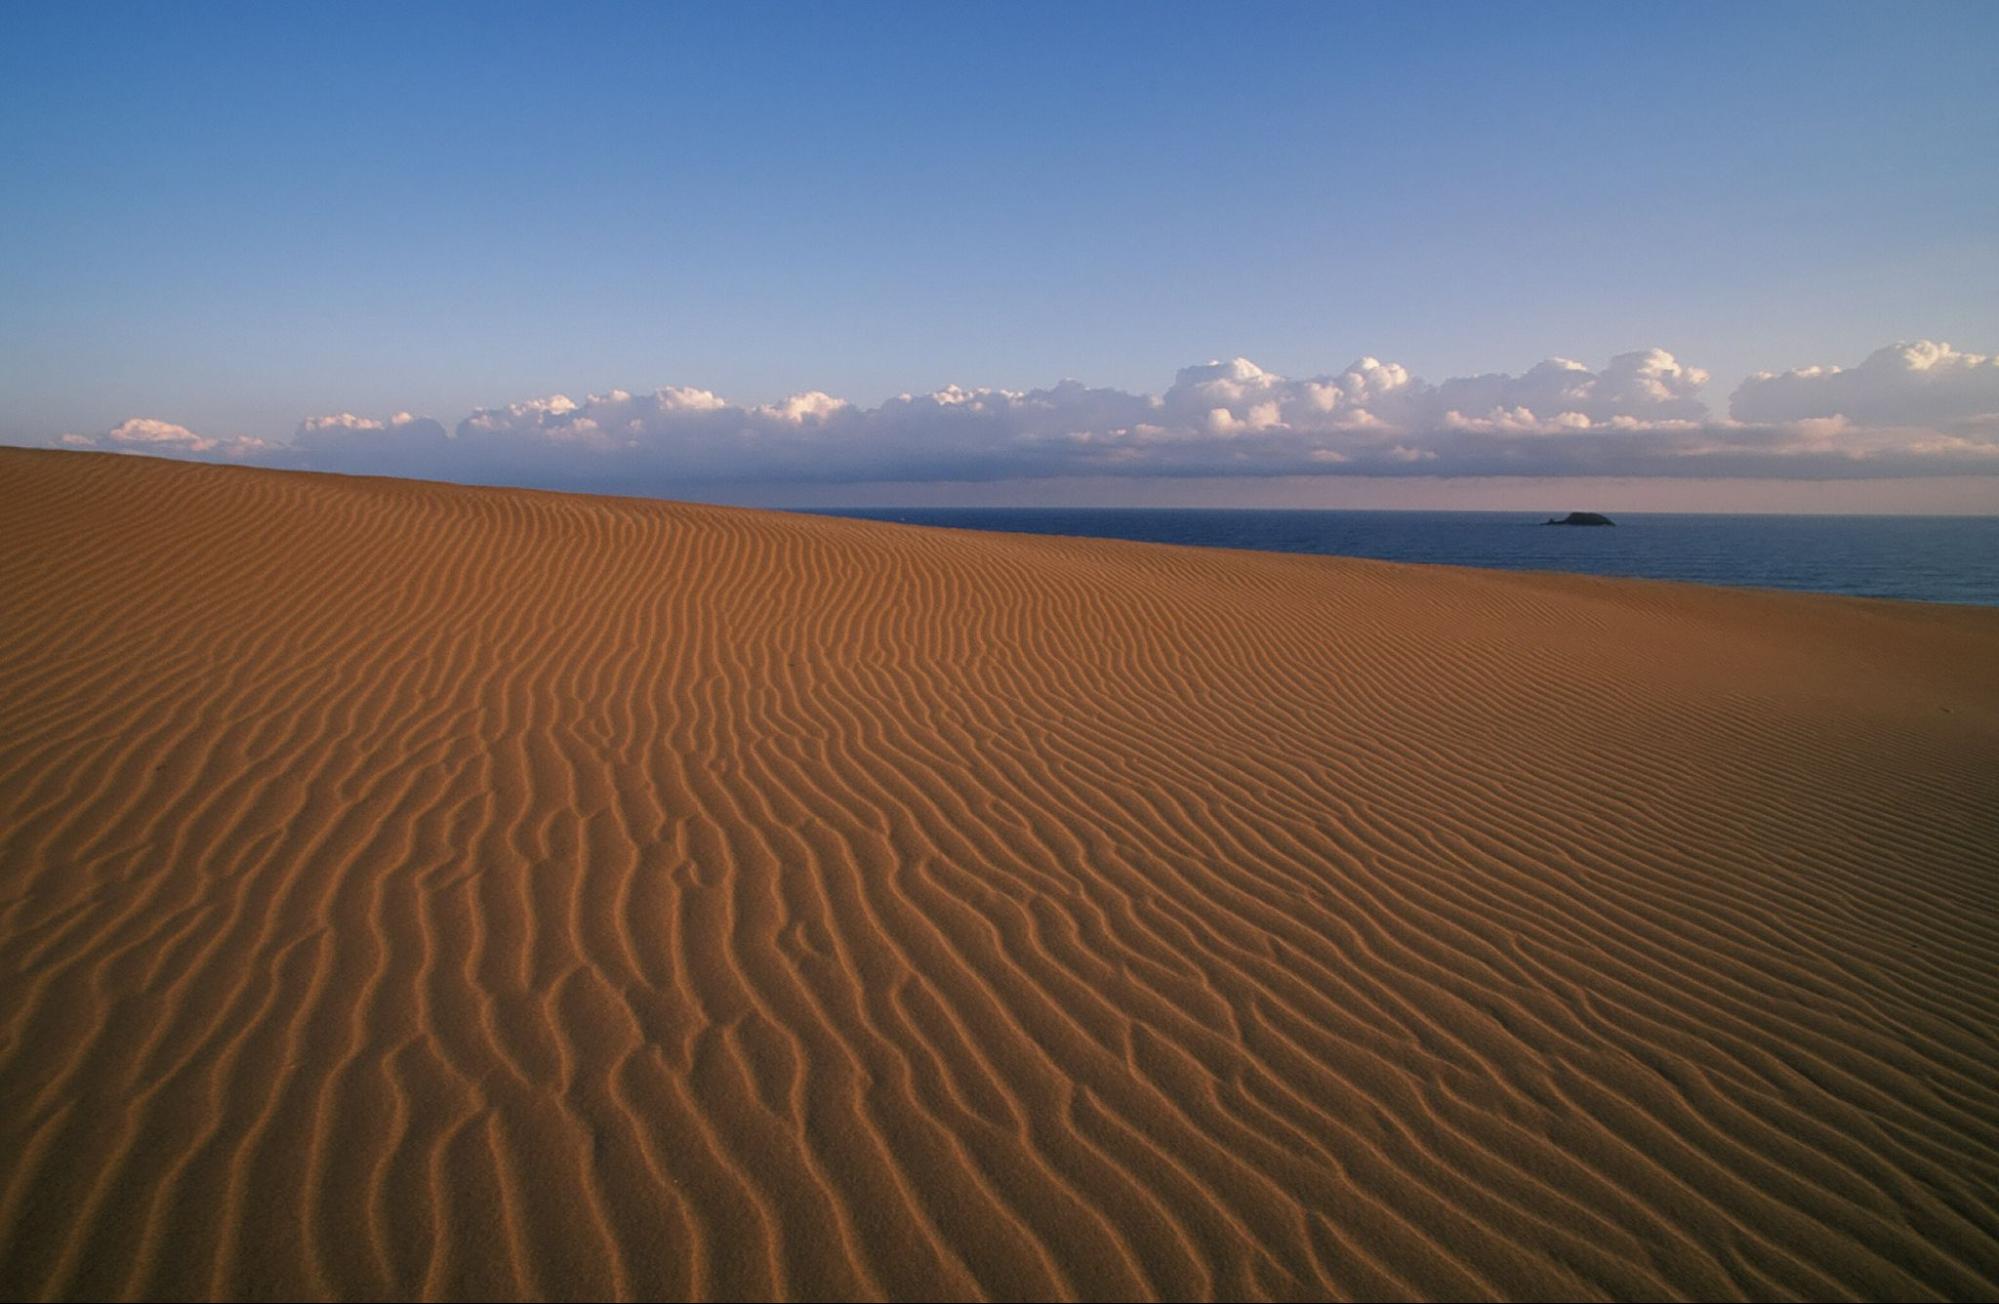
(414, 889)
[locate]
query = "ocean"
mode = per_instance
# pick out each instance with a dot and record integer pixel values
(1926, 558)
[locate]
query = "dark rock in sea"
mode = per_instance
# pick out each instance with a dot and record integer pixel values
(1581, 518)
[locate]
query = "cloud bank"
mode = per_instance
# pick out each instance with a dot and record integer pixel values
(1909, 409)
(1918, 384)
(164, 438)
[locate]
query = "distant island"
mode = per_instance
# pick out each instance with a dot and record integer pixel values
(1580, 518)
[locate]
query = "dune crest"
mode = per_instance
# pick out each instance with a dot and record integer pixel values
(418, 890)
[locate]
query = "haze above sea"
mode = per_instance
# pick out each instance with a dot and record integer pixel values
(1926, 558)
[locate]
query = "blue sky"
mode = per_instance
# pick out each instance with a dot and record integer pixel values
(233, 219)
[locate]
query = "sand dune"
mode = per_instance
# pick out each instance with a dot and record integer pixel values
(409, 889)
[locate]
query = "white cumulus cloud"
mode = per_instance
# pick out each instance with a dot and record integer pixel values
(147, 435)
(1908, 384)
(1910, 409)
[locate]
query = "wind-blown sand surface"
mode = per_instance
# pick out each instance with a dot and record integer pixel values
(409, 889)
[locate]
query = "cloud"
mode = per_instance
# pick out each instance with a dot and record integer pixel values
(401, 444)
(1906, 384)
(146, 435)
(1912, 409)
(1650, 386)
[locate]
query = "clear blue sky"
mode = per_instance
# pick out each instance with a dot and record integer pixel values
(234, 217)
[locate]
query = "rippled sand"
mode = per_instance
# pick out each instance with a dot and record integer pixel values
(409, 889)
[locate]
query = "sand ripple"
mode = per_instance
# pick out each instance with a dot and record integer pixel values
(414, 890)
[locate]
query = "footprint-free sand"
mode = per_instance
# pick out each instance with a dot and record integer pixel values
(408, 889)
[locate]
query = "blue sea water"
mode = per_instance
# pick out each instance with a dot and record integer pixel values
(1929, 558)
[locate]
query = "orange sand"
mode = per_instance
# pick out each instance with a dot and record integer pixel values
(408, 889)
